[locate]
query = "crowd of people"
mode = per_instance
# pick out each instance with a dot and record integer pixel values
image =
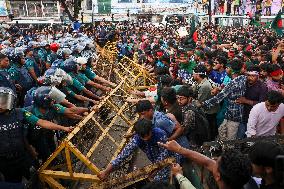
(215, 83)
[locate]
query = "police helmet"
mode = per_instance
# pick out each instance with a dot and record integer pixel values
(7, 98)
(43, 43)
(65, 76)
(6, 43)
(50, 80)
(42, 98)
(49, 71)
(32, 44)
(19, 51)
(70, 66)
(45, 96)
(81, 60)
(67, 51)
(19, 43)
(87, 54)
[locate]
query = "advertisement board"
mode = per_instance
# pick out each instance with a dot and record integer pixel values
(3, 8)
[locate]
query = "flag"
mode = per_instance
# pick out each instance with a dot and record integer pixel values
(193, 32)
(195, 36)
(255, 23)
(267, 25)
(277, 25)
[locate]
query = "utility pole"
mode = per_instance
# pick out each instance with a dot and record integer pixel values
(209, 12)
(128, 14)
(93, 9)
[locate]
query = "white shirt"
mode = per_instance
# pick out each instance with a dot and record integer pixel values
(184, 183)
(261, 122)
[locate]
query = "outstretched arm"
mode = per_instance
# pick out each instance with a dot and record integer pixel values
(192, 155)
(52, 126)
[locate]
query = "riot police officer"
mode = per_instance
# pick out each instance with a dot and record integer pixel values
(81, 61)
(93, 76)
(31, 65)
(15, 160)
(62, 85)
(53, 55)
(45, 107)
(20, 75)
(5, 79)
(43, 52)
(72, 68)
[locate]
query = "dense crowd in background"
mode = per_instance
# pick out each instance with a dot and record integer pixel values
(213, 83)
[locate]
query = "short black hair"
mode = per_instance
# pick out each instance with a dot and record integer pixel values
(274, 97)
(143, 127)
(161, 70)
(2, 56)
(236, 64)
(201, 69)
(164, 80)
(175, 82)
(143, 105)
(253, 68)
(264, 153)
(185, 91)
(272, 68)
(235, 169)
(158, 184)
(169, 95)
(264, 66)
(222, 60)
(247, 53)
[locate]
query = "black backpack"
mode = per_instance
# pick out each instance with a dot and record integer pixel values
(200, 133)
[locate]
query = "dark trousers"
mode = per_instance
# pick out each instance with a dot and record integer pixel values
(44, 145)
(15, 167)
(213, 130)
(5, 185)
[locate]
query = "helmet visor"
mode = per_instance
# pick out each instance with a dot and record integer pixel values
(7, 101)
(56, 95)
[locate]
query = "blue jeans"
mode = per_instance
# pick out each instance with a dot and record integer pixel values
(241, 134)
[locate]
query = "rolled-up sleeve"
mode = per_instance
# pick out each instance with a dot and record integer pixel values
(184, 183)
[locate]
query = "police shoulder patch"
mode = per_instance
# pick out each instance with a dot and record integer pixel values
(57, 108)
(28, 114)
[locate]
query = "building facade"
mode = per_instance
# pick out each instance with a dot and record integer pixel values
(34, 10)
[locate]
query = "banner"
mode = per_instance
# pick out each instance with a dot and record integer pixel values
(3, 8)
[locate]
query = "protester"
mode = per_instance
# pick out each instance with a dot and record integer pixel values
(231, 170)
(146, 139)
(265, 116)
(228, 67)
(255, 93)
(263, 156)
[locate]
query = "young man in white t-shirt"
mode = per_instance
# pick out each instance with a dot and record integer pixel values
(265, 116)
